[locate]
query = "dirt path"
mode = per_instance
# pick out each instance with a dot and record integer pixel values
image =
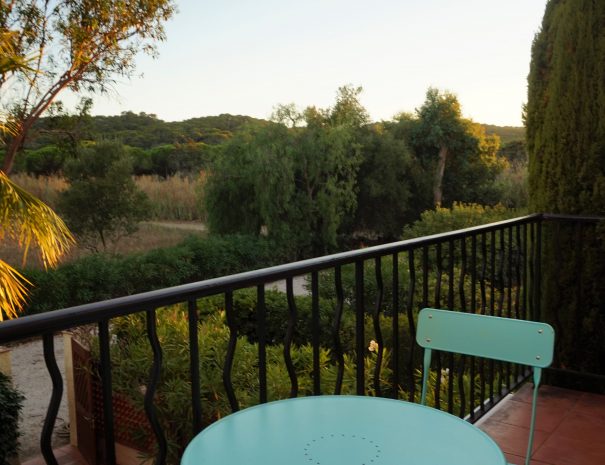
(31, 377)
(188, 225)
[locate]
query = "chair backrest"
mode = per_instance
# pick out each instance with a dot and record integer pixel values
(517, 341)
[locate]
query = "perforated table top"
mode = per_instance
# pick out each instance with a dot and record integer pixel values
(342, 430)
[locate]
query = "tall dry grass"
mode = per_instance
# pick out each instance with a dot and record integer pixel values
(172, 199)
(148, 237)
(46, 188)
(175, 198)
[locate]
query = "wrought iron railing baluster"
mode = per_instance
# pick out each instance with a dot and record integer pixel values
(360, 346)
(262, 342)
(538, 293)
(194, 365)
(450, 305)
(154, 378)
(473, 309)
(437, 304)
(105, 373)
(411, 323)
(524, 283)
(532, 276)
(48, 344)
(462, 365)
(509, 299)
(376, 322)
(315, 332)
(492, 306)
(289, 337)
(338, 352)
(500, 304)
(228, 367)
(395, 327)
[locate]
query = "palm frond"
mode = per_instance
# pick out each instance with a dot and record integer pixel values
(27, 219)
(13, 291)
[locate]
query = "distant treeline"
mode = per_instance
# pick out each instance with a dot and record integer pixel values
(166, 148)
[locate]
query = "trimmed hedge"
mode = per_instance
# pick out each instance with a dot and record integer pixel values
(100, 276)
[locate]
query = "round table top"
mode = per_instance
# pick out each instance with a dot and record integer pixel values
(342, 430)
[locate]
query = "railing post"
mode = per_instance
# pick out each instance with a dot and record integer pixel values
(359, 328)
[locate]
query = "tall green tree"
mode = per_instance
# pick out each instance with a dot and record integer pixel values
(81, 45)
(440, 129)
(391, 184)
(456, 151)
(102, 202)
(296, 183)
(565, 119)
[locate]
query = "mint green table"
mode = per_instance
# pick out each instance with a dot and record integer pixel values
(342, 430)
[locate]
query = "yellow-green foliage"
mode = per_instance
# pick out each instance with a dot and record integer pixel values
(460, 216)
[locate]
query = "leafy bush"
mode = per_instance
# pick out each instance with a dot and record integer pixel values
(460, 216)
(100, 276)
(11, 402)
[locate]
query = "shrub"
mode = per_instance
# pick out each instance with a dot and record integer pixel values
(11, 402)
(460, 216)
(101, 276)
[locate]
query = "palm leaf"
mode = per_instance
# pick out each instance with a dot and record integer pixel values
(27, 219)
(13, 291)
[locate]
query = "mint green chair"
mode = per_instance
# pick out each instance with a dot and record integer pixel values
(517, 341)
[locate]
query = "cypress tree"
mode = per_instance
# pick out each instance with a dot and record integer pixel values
(565, 121)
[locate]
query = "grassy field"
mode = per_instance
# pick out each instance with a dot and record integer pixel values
(149, 236)
(173, 199)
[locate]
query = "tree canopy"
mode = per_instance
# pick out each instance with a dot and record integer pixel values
(82, 45)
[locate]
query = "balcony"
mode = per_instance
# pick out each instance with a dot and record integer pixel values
(356, 323)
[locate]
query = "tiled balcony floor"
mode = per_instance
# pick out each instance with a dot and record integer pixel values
(570, 427)
(66, 455)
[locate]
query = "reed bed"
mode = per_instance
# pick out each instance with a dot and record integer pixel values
(46, 188)
(175, 198)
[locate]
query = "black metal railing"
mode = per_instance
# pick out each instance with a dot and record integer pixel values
(493, 269)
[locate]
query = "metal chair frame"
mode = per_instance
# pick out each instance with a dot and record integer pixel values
(517, 341)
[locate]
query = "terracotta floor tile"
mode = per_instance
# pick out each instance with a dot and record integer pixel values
(561, 450)
(591, 404)
(548, 395)
(548, 416)
(586, 428)
(518, 460)
(512, 439)
(66, 455)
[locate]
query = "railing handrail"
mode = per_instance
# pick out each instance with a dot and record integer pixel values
(64, 319)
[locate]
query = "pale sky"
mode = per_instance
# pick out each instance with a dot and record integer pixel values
(246, 56)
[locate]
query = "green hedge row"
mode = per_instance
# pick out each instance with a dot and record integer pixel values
(100, 277)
